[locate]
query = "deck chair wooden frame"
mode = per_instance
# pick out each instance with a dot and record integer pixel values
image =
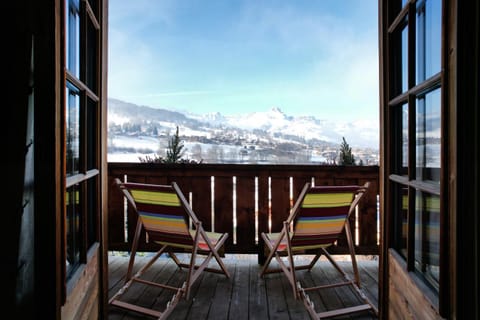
(318, 217)
(164, 213)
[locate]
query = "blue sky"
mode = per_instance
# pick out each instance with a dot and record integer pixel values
(306, 57)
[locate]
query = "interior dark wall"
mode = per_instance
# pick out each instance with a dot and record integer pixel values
(17, 163)
(468, 166)
(30, 258)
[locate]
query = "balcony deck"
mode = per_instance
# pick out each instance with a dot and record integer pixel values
(245, 295)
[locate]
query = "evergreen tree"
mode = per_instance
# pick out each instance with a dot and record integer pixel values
(175, 149)
(346, 156)
(174, 153)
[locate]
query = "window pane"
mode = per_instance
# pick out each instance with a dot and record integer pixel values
(400, 140)
(72, 200)
(427, 236)
(92, 211)
(92, 134)
(92, 58)
(404, 59)
(428, 136)
(72, 131)
(405, 136)
(73, 37)
(429, 29)
(400, 217)
(400, 61)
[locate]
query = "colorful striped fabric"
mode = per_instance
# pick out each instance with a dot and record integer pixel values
(322, 216)
(427, 228)
(162, 214)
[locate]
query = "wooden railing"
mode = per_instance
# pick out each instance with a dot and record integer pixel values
(243, 200)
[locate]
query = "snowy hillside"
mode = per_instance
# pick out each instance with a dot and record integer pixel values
(269, 136)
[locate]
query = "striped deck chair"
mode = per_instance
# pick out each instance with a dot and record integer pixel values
(164, 214)
(317, 219)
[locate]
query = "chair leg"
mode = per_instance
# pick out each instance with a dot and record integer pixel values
(315, 259)
(271, 253)
(133, 250)
(352, 253)
(175, 259)
(191, 273)
(291, 277)
(217, 257)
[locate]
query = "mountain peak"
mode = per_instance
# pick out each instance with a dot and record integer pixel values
(276, 110)
(274, 122)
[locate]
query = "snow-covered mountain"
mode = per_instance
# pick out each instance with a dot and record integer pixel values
(270, 129)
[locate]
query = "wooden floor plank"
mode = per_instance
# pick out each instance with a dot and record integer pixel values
(203, 298)
(131, 296)
(144, 295)
(117, 269)
(276, 303)
(182, 310)
(165, 271)
(329, 297)
(257, 299)
(239, 298)
(369, 276)
(346, 294)
(220, 306)
(296, 310)
(245, 295)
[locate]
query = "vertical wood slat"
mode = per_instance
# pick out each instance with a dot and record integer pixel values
(223, 207)
(116, 227)
(280, 188)
(263, 212)
(245, 193)
(367, 220)
(202, 200)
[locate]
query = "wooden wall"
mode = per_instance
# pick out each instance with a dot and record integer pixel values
(83, 300)
(406, 299)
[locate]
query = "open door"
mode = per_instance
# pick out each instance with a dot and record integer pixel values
(429, 71)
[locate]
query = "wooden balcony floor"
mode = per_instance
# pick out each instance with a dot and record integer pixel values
(245, 295)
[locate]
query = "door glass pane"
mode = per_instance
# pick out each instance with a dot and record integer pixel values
(400, 216)
(428, 39)
(399, 62)
(405, 59)
(73, 37)
(92, 210)
(92, 57)
(92, 134)
(427, 236)
(405, 136)
(72, 201)
(72, 122)
(428, 136)
(400, 140)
